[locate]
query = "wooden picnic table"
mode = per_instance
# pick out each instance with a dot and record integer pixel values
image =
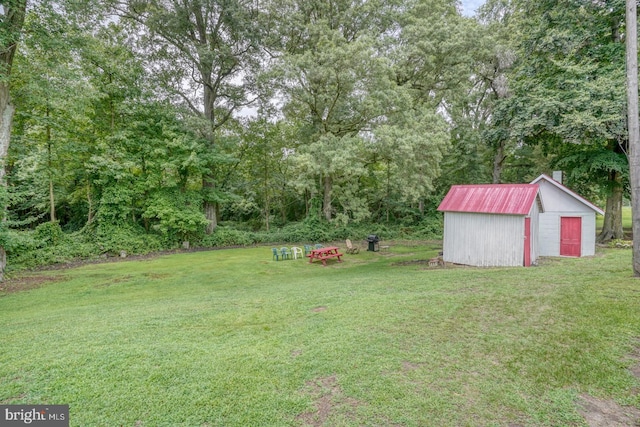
(325, 253)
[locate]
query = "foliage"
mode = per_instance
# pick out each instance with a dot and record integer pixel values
(48, 234)
(226, 237)
(620, 244)
(176, 215)
(347, 118)
(111, 239)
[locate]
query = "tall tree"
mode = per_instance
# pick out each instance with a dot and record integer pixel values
(202, 53)
(633, 125)
(567, 85)
(336, 82)
(12, 14)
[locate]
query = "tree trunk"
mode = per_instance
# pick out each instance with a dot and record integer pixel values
(612, 227)
(210, 208)
(6, 116)
(498, 162)
(633, 126)
(12, 17)
(89, 203)
(52, 199)
(267, 204)
(326, 203)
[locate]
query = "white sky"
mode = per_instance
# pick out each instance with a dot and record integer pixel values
(469, 7)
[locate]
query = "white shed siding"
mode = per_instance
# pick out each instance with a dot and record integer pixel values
(588, 234)
(557, 200)
(550, 232)
(535, 232)
(484, 240)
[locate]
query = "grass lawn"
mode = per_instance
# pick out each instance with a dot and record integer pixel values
(232, 338)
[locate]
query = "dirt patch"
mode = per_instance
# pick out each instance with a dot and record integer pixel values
(25, 283)
(156, 276)
(607, 413)
(319, 309)
(410, 366)
(635, 358)
(329, 399)
(114, 281)
(412, 262)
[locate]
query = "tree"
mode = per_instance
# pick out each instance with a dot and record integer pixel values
(12, 14)
(202, 54)
(52, 98)
(634, 127)
(337, 83)
(567, 85)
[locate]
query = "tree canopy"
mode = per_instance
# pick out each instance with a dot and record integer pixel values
(168, 119)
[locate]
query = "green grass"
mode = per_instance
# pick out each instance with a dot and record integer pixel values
(232, 338)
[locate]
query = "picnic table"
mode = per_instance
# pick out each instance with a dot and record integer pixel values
(325, 253)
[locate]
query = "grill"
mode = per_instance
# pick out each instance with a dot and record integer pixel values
(374, 243)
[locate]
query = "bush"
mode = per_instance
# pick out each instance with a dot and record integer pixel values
(223, 236)
(48, 234)
(175, 215)
(620, 244)
(25, 251)
(134, 240)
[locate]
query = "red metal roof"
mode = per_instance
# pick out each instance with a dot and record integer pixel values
(508, 199)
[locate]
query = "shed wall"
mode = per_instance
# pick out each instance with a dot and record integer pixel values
(550, 232)
(485, 240)
(557, 200)
(535, 232)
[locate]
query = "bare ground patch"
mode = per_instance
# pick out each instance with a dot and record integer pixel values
(25, 283)
(329, 400)
(332, 407)
(607, 413)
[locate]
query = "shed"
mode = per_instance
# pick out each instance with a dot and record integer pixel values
(491, 225)
(568, 223)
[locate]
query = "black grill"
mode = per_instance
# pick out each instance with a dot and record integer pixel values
(374, 243)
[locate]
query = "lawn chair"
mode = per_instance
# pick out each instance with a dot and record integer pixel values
(276, 254)
(296, 251)
(307, 250)
(350, 248)
(285, 253)
(318, 246)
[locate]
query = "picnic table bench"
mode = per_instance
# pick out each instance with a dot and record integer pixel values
(323, 254)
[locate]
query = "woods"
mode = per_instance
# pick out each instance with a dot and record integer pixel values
(137, 125)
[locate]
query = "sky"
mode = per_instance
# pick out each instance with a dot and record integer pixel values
(469, 6)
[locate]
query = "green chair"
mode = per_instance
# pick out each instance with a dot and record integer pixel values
(285, 253)
(276, 255)
(307, 250)
(318, 246)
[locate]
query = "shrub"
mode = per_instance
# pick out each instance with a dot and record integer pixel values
(620, 244)
(134, 240)
(48, 234)
(176, 215)
(223, 236)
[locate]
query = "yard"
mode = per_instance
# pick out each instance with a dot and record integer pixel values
(232, 338)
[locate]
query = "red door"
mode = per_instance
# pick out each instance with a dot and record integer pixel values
(570, 236)
(527, 242)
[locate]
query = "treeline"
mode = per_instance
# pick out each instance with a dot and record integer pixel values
(142, 124)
